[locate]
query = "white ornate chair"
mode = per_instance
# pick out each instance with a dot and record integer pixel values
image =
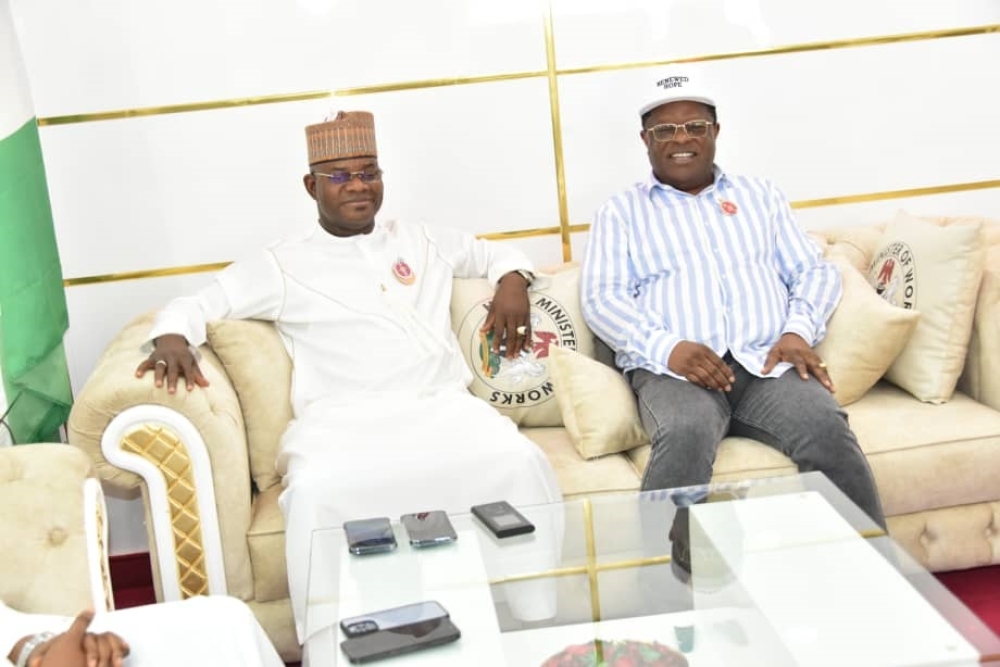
(53, 534)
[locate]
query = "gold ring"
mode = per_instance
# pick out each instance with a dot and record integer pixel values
(160, 361)
(521, 330)
(822, 364)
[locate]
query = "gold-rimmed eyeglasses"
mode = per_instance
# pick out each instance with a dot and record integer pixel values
(341, 177)
(667, 131)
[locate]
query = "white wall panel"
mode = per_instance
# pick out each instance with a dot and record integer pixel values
(127, 525)
(178, 189)
(477, 157)
(98, 55)
(401, 40)
(819, 124)
(597, 32)
(544, 251)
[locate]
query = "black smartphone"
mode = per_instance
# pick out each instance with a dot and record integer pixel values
(386, 619)
(502, 519)
(428, 529)
(369, 536)
(397, 641)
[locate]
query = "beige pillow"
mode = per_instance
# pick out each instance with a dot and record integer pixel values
(522, 389)
(864, 335)
(936, 270)
(597, 405)
(261, 371)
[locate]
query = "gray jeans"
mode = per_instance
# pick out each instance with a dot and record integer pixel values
(799, 418)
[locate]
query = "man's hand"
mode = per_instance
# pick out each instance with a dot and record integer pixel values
(78, 648)
(701, 366)
(796, 351)
(171, 359)
(510, 315)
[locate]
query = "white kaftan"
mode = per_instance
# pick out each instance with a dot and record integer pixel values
(383, 421)
(218, 630)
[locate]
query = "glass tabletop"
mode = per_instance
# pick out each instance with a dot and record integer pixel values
(771, 572)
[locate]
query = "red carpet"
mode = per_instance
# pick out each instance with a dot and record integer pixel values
(979, 590)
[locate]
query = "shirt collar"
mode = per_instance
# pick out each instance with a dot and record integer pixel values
(652, 183)
(375, 236)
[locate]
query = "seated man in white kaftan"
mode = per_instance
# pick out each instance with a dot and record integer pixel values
(219, 631)
(383, 421)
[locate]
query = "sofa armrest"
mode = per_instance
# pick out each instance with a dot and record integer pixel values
(981, 377)
(186, 451)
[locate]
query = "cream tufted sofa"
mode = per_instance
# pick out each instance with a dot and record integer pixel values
(53, 534)
(205, 460)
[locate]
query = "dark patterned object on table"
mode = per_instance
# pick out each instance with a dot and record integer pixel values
(617, 653)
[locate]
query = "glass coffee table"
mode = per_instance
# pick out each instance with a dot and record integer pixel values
(772, 572)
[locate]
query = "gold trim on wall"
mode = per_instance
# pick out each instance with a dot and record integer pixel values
(551, 231)
(146, 273)
(183, 108)
(557, 142)
(897, 194)
(826, 45)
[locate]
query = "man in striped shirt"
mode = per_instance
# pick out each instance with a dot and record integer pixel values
(713, 299)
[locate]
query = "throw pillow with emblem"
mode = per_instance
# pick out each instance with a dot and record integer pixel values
(597, 405)
(522, 388)
(935, 268)
(864, 336)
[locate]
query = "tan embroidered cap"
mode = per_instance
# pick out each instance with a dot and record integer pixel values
(350, 134)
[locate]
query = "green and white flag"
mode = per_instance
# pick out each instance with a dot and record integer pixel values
(35, 393)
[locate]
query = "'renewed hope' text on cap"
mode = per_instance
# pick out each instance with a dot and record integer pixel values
(675, 85)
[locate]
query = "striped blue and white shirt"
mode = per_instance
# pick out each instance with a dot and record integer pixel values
(663, 266)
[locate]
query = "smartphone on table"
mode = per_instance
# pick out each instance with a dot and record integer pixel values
(369, 536)
(428, 529)
(399, 640)
(387, 619)
(502, 519)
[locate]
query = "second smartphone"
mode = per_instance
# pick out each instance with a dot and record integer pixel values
(369, 536)
(428, 529)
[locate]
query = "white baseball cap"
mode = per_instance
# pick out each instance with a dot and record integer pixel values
(675, 85)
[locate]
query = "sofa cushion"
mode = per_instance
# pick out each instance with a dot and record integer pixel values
(736, 458)
(521, 388)
(578, 476)
(928, 456)
(863, 337)
(936, 270)
(261, 372)
(596, 403)
(266, 540)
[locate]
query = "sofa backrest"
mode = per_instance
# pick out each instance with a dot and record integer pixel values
(264, 387)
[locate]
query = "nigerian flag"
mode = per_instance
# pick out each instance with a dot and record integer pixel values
(35, 394)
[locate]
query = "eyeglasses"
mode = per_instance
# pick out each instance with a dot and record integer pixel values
(667, 131)
(341, 177)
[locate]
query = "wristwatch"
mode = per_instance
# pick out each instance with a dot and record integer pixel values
(528, 276)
